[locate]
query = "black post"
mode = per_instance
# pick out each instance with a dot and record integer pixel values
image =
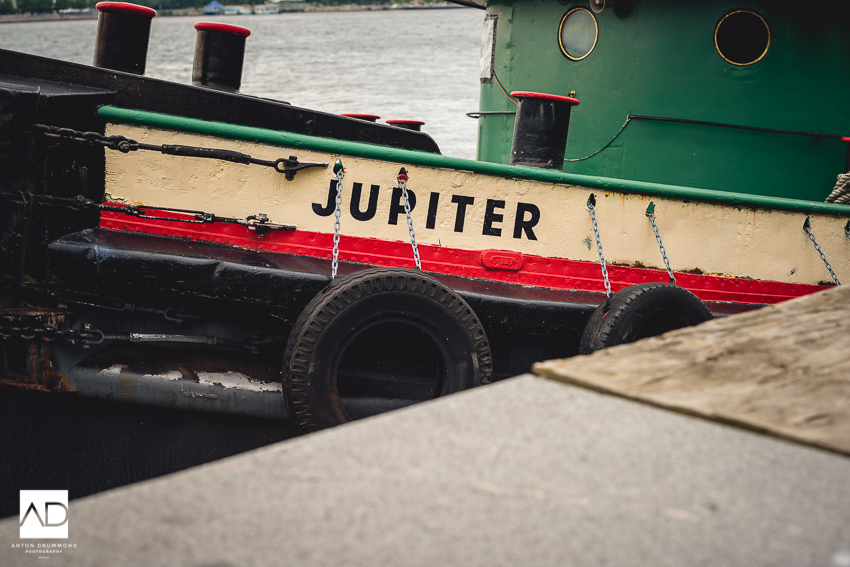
(123, 30)
(540, 129)
(219, 53)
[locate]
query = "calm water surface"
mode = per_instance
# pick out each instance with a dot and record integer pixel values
(399, 64)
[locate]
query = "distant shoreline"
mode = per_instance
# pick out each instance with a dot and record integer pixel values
(56, 17)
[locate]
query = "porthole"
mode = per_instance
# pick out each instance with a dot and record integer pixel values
(577, 34)
(742, 37)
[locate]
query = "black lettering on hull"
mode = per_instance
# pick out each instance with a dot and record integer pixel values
(431, 220)
(527, 214)
(397, 204)
(371, 208)
(521, 225)
(462, 202)
(329, 209)
(490, 216)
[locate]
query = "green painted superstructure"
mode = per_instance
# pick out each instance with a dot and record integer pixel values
(658, 58)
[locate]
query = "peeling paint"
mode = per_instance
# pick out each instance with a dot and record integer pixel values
(239, 381)
(117, 369)
(170, 375)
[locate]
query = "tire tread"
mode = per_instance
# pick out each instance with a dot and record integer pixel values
(343, 292)
(608, 319)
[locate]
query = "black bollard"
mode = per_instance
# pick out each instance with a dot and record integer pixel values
(219, 53)
(366, 117)
(415, 125)
(540, 129)
(123, 30)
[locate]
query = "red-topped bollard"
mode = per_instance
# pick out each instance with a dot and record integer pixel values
(366, 117)
(123, 30)
(414, 125)
(219, 53)
(540, 129)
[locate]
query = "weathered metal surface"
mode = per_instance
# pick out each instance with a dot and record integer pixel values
(149, 266)
(182, 379)
(267, 291)
(25, 357)
(34, 167)
(783, 369)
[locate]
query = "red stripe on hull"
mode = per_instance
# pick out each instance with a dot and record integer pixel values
(537, 271)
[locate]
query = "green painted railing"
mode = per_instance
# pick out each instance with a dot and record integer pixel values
(370, 151)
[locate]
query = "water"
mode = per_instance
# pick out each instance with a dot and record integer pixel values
(399, 64)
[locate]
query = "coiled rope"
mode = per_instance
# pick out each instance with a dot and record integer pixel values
(841, 193)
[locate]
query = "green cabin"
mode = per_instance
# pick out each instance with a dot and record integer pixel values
(740, 96)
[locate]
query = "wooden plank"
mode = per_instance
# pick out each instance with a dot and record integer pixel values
(783, 369)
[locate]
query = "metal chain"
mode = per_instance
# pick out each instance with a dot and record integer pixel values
(29, 333)
(258, 223)
(289, 167)
(340, 173)
(402, 182)
(119, 143)
(85, 336)
(807, 228)
(591, 206)
(650, 213)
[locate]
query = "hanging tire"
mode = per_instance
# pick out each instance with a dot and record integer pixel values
(641, 311)
(377, 340)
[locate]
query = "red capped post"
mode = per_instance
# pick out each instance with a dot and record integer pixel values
(540, 129)
(123, 30)
(219, 55)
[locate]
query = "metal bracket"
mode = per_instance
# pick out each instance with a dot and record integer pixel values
(260, 224)
(289, 167)
(89, 336)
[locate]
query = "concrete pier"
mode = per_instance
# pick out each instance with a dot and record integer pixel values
(528, 471)
(783, 370)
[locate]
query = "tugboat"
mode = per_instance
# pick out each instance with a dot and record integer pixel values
(194, 247)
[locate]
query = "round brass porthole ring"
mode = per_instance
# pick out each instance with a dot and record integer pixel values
(561, 27)
(766, 47)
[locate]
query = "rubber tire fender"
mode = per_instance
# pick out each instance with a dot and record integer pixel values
(640, 311)
(351, 304)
